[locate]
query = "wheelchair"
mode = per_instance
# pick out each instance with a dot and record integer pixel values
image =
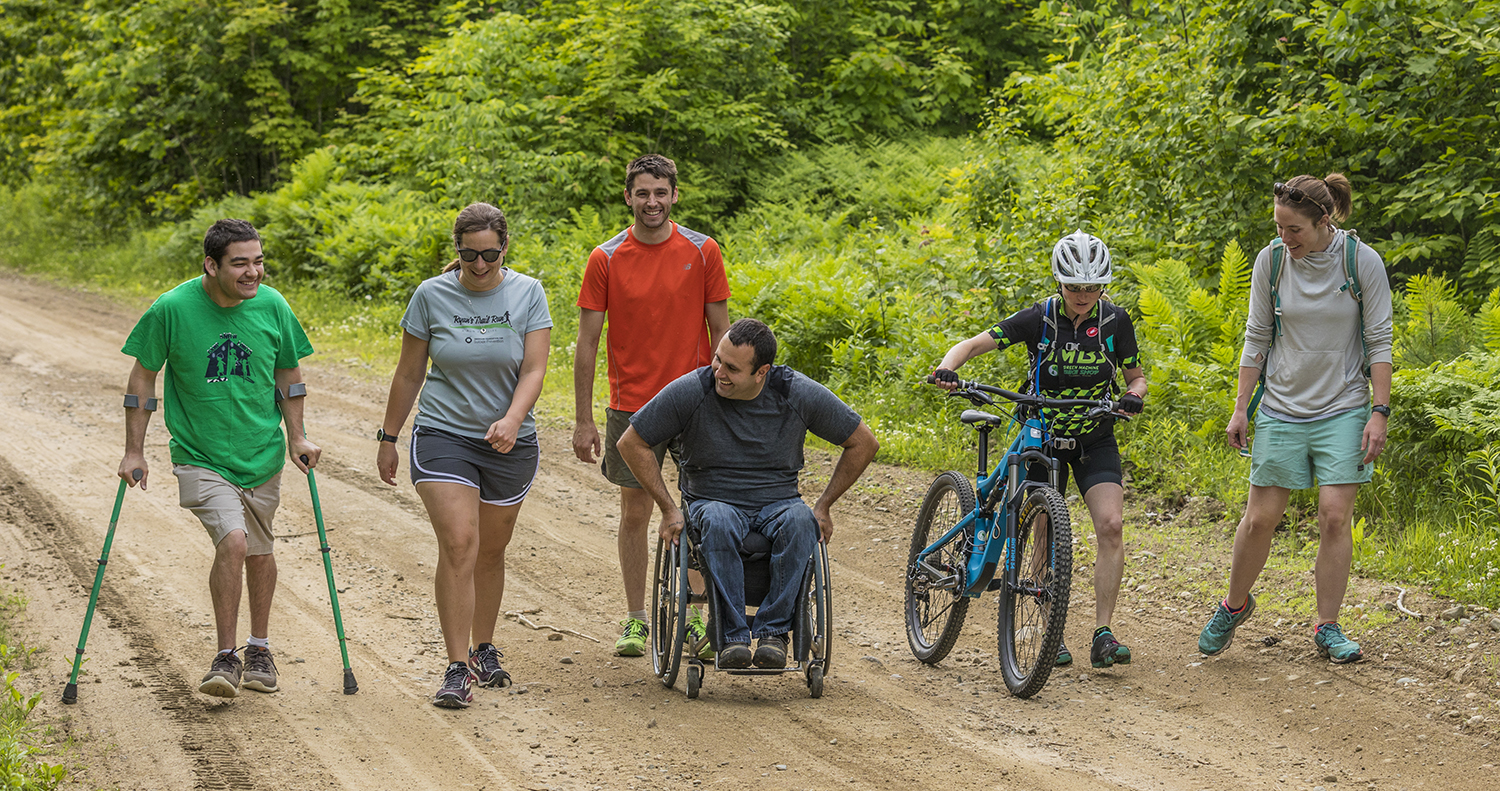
(811, 638)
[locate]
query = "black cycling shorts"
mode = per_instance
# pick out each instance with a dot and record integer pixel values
(1094, 459)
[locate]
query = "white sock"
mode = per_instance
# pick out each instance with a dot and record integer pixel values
(258, 642)
(639, 615)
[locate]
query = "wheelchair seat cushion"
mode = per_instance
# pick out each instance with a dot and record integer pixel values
(755, 547)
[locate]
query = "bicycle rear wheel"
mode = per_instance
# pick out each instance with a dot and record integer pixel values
(1034, 597)
(935, 615)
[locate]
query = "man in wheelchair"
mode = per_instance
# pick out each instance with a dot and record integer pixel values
(742, 423)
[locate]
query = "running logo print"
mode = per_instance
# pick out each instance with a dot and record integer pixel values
(228, 358)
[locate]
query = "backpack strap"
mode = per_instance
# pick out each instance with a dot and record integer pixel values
(1278, 262)
(1351, 285)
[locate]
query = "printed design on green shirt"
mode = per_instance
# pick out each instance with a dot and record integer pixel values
(229, 358)
(482, 321)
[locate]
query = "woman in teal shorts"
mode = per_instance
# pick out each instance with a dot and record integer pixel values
(1315, 424)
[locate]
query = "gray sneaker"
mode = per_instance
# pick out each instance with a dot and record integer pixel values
(223, 679)
(260, 670)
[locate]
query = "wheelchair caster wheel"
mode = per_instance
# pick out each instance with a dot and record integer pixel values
(815, 681)
(694, 679)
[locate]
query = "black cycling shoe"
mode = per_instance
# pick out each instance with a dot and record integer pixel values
(1108, 651)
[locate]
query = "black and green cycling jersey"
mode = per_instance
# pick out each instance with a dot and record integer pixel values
(1077, 361)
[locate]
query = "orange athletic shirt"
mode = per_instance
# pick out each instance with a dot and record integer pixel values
(654, 296)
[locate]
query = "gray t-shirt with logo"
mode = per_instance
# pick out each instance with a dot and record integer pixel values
(744, 453)
(476, 340)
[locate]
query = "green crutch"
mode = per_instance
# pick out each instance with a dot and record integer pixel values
(70, 692)
(350, 685)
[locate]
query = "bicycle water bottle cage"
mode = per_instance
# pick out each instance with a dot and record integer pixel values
(973, 416)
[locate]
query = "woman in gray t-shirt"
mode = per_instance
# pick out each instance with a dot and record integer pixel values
(1319, 331)
(486, 330)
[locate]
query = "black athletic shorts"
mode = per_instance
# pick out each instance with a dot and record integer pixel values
(1094, 459)
(501, 478)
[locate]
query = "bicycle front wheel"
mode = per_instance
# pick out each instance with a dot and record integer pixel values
(1034, 596)
(935, 604)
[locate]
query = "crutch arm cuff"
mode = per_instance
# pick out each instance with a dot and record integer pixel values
(293, 390)
(133, 401)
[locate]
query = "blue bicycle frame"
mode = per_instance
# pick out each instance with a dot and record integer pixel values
(1028, 447)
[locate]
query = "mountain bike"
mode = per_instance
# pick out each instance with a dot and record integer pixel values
(959, 540)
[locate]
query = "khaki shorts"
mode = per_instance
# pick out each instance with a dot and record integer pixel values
(224, 508)
(613, 465)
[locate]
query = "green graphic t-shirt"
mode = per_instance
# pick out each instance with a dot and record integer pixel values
(220, 388)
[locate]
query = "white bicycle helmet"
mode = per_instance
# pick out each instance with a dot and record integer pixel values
(1081, 259)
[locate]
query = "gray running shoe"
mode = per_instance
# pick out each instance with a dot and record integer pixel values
(457, 691)
(260, 670)
(1219, 632)
(223, 678)
(485, 662)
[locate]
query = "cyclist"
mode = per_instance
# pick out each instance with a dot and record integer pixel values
(1315, 420)
(1078, 343)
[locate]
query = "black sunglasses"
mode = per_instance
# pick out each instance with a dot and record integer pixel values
(490, 256)
(1281, 190)
(1083, 289)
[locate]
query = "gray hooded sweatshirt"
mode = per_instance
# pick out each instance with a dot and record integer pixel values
(1316, 368)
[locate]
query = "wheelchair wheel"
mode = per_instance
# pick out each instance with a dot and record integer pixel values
(1034, 596)
(669, 609)
(821, 655)
(694, 678)
(935, 612)
(815, 681)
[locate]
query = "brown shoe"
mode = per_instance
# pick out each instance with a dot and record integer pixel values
(260, 670)
(770, 652)
(223, 679)
(735, 656)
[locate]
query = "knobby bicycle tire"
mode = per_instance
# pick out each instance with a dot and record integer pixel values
(935, 617)
(1034, 596)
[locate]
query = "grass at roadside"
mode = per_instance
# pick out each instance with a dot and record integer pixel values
(23, 764)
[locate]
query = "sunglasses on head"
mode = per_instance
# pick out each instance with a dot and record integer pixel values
(1087, 288)
(490, 256)
(1281, 190)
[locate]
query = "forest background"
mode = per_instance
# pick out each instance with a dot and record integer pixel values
(885, 176)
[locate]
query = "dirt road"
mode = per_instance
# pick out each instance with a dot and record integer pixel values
(580, 718)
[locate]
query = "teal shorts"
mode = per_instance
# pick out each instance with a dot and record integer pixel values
(1291, 455)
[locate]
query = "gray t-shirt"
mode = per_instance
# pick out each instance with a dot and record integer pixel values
(476, 340)
(1316, 368)
(744, 453)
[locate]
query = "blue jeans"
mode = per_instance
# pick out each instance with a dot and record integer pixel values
(793, 532)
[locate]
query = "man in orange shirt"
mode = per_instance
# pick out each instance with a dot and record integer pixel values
(667, 298)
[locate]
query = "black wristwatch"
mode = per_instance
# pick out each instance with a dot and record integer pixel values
(1382, 409)
(384, 437)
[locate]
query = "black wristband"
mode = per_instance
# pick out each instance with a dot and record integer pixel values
(384, 437)
(1382, 409)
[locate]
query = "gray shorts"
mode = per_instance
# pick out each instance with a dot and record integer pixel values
(502, 478)
(224, 508)
(613, 465)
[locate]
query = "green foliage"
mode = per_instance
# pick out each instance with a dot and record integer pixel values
(22, 767)
(1190, 112)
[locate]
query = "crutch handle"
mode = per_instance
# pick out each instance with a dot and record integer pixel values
(135, 474)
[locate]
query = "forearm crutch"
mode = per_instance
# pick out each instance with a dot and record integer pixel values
(70, 692)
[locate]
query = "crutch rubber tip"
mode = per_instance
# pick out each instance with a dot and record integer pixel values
(70, 694)
(350, 685)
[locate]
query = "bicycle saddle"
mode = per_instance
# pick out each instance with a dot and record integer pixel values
(971, 416)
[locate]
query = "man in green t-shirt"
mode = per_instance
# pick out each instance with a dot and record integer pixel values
(231, 348)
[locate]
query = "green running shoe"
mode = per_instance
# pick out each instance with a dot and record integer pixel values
(698, 631)
(1108, 651)
(632, 641)
(1064, 656)
(1332, 643)
(1219, 632)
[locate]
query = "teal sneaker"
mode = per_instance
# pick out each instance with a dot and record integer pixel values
(696, 630)
(632, 641)
(1107, 650)
(1332, 643)
(1219, 632)
(1064, 656)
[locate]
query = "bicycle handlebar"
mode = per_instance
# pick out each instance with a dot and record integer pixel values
(976, 392)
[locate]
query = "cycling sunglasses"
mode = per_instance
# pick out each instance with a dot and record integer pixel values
(1281, 190)
(1087, 288)
(490, 256)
